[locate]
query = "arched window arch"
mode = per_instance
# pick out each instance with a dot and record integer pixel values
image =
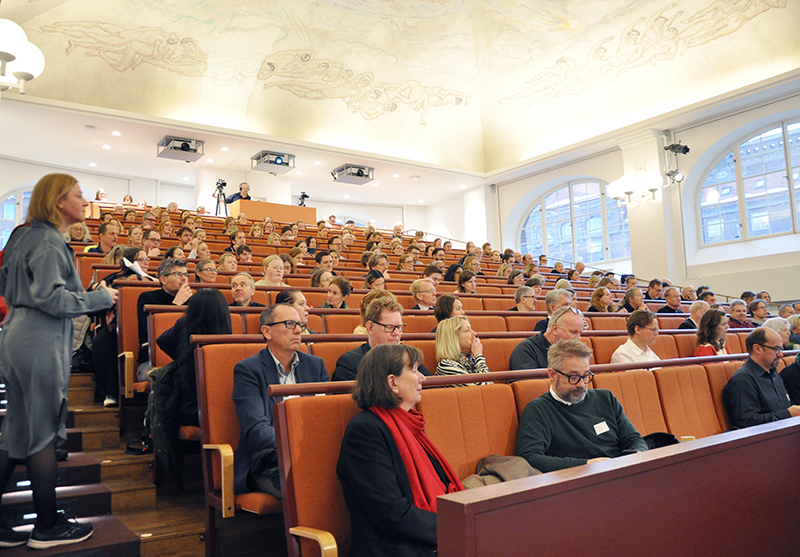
(577, 222)
(763, 171)
(13, 210)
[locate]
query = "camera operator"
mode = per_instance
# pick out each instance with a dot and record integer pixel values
(243, 193)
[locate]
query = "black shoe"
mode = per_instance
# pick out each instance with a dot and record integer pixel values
(64, 532)
(10, 537)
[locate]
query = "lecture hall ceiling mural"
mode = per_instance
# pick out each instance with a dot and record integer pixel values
(478, 85)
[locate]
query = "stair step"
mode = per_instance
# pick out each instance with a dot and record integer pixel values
(131, 494)
(175, 526)
(100, 437)
(80, 396)
(117, 465)
(94, 415)
(81, 380)
(111, 538)
(78, 469)
(74, 442)
(74, 501)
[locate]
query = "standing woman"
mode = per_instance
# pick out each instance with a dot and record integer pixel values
(43, 291)
(458, 348)
(711, 334)
(391, 473)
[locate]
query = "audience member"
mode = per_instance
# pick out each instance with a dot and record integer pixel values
(553, 300)
(405, 263)
(238, 238)
(748, 296)
(794, 328)
(78, 232)
(780, 326)
(758, 310)
(297, 300)
(338, 291)
(321, 278)
(654, 290)
(384, 323)
(642, 334)
(711, 334)
(558, 268)
(458, 348)
(764, 295)
(374, 280)
(467, 283)
(174, 290)
(755, 394)
(135, 235)
(531, 353)
(632, 300)
(272, 269)
(537, 283)
(108, 239)
(205, 271)
(365, 301)
(708, 297)
(602, 301)
(166, 229)
(516, 278)
(175, 252)
(379, 262)
(571, 425)
(453, 272)
(688, 293)
(447, 305)
(524, 298)
(673, 299)
(433, 273)
(227, 262)
(424, 293)
(696, 312)
(243, 287)
(244, 254)
(786, 311)
(738, 318)
(281, 362)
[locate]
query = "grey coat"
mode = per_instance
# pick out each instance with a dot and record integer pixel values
(43, 292)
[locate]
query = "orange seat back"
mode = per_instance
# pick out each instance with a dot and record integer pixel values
(665, 347)
(497, 352)
(686, 401)
(671, 323)
(471, 304)
(313, 429)
(498, 304)
(469, 423)
(718, 375)
(330, 352)
(733, 344)
(487, 323)
(609, 324)
(341, 323)
(419, 323)
(428, 348)
(636, 390)
(528, 389)
(522, 322)
(603, 347)
(686, 345)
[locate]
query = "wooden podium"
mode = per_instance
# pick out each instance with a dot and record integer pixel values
(258, 210)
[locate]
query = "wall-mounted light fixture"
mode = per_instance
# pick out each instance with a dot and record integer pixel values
(20, 60)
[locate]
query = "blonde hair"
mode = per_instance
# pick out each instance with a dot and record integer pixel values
(447, 338)
(44, 199)
(502, 269)
(267, 260)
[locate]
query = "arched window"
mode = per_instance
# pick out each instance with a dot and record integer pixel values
(764, 171)
(578, 223)
(13, 211)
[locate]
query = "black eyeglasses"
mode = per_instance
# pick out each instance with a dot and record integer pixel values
(288, 323)
(575, 379)
(177, 274)
(392, 328)
(571, 310)
(775, 348)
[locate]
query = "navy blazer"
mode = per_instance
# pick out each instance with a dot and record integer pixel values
(347, 364)
(251, 377)
(383, 519)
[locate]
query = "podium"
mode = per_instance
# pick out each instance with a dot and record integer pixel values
(258, 210)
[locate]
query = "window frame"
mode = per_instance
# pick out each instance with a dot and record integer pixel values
(741, 201)
(604, 209)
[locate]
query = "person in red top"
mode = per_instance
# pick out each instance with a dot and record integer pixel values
(738, 318)
(391, 473)
(711, 334)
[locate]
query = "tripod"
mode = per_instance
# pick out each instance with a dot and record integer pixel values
(221, 202)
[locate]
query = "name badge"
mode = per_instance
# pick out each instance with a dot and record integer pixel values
(602, 427)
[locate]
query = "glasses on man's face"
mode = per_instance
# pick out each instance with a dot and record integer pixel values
(775, 348)
(290, 324)
(575, 379)
(178, 274)
(392, 328)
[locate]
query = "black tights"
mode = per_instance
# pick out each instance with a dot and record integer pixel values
(42, 471)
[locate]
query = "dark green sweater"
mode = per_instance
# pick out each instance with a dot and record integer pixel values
(553, 436)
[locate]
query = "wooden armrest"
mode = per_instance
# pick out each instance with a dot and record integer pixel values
(127, 366)
(226, 478)
(326, 541)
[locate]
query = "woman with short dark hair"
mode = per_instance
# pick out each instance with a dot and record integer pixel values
(391, 473)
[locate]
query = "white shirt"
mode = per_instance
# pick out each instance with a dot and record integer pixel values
(630, 353)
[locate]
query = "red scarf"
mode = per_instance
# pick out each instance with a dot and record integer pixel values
(408, 432)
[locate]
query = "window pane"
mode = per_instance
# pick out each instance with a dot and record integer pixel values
(719, 203)
(768, 209)
(794, 154)
(531, 235)
(557, 216)
(589, 228)
(618, 238)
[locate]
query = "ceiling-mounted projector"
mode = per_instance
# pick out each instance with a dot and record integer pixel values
(353, 174)
(178, 148)
(269, 161)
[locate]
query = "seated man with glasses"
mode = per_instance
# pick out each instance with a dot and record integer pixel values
(174, 290)
(755, 394)
(642, 334)
(566, 323)
(280, 363)
(384, 323)
(571, 425)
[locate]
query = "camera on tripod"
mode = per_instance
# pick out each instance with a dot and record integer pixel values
(301, 199)
(221, 184)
